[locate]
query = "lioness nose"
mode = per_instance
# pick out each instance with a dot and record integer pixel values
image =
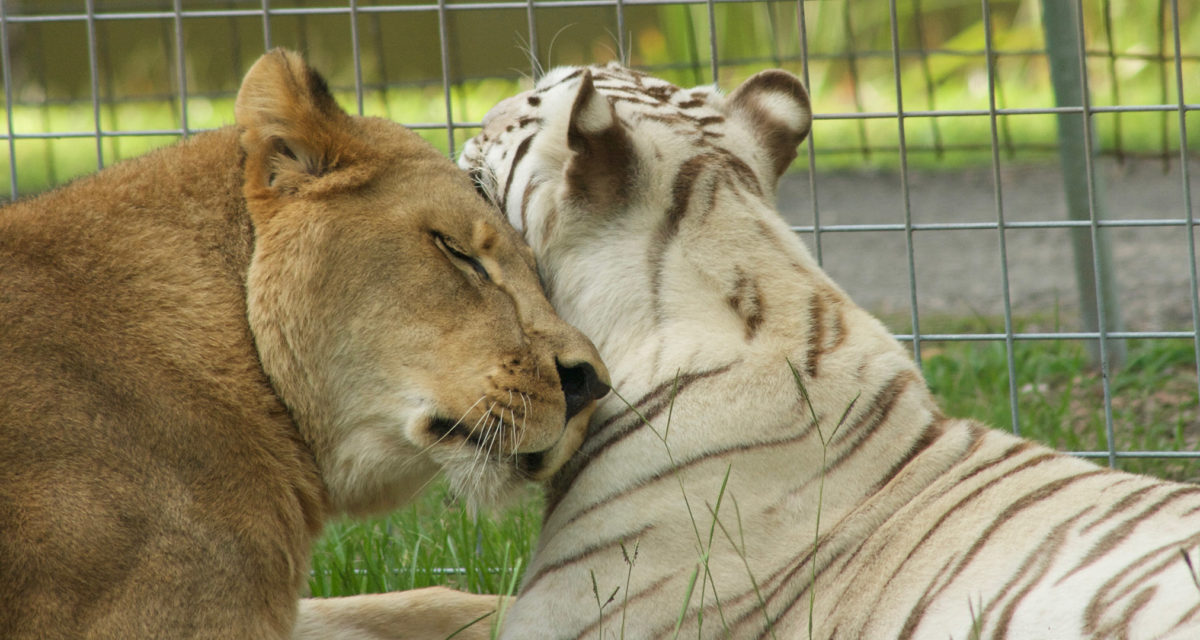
(580, 385)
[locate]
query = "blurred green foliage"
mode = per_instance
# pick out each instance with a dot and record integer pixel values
(848, 49)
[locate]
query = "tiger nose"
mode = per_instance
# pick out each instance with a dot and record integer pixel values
(581, 385)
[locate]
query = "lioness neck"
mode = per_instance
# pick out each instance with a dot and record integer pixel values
(174, 253)
(152, 416)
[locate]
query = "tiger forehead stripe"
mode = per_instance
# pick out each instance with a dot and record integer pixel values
(519, 155)
(567, 78)
(665, 118)
(682, 191)
(629, 98)
(530, 187)
(662, 92)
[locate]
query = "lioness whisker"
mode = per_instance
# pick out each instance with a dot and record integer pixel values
(524, 422)
(480, 440)
(500, 434)
(454, 426)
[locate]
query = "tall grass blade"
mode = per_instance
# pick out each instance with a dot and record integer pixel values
(687, 600)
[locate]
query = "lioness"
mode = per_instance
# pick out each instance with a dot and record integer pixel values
(206, 351)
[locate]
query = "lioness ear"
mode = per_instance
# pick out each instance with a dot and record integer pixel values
(292, 130)
(776, 106)
(601, 170)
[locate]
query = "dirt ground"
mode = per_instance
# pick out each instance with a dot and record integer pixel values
(958, 272)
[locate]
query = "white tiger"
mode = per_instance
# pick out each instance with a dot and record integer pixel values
(651, 211)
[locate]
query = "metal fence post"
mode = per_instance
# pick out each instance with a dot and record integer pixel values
(1084, 189)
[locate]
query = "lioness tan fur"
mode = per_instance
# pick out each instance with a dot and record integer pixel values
(206, 351)
(387, 616)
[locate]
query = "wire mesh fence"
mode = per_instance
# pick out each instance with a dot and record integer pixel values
(936, 185)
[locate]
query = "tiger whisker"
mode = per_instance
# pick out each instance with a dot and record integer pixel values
(550, 49)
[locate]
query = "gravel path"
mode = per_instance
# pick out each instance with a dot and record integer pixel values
(958, 272)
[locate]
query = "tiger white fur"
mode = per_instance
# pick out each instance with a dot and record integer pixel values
(650, 209)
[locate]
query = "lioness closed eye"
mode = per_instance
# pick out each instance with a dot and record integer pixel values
(208, 350)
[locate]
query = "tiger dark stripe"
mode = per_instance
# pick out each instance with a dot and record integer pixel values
(616, 427)
(532, 577)
(931, 433)
(650, 211)
(642, 412)
(684, 464)
(1039, 561)
(520, 153)
(1035, 497)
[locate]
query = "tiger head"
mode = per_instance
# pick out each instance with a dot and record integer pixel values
(602, 167)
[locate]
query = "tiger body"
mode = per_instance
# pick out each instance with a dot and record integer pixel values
(756, 404)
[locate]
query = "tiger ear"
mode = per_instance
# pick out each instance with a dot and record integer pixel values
(776, 106)
(601, 170)
(293, 132)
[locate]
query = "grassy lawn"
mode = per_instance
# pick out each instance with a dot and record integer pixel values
(1060, 402)
(436, 541)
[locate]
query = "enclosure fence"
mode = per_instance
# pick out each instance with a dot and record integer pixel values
(1045, 105)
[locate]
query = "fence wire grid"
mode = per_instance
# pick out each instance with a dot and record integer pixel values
(910, 100)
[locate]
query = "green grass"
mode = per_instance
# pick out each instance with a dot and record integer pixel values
(437, 541)
(1059, 400)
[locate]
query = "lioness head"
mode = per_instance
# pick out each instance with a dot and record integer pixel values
(398, 316)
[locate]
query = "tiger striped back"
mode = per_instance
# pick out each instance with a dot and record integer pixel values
(758, 404)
